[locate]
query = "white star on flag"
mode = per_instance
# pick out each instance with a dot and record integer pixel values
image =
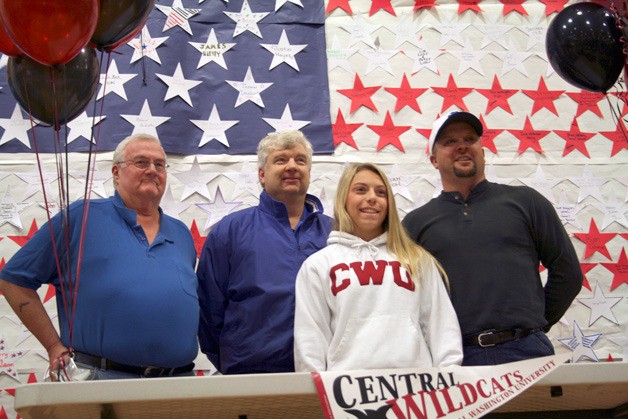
(33, 181)
(178, 85)
(491, 175)
(424, 58)
(212, 50)
(399, 182)
(378, 58)
(469, 59)
(15, 128)
(217, 209)
(338, 57)
(450, 30)
(284, 52)
(600, 305)
(549, 71)
(512, 59)
(214, 128)
(23, 334)
(246, 180)
(624, 181)
(171, 206)
(177, 15)
(113, 82)
(327, 202)
(98, 178)
(195, 181)
(286, 123)
(613, 210)
(81, 126)
(405, 206)
(581, 345)
(335, 176)
(435, 181)
(246, 20)
(360, 30)
(406, 30)
(249, 90)
(279, 3)
(145, 46)
(51, 205)
(9, 210)
(542, 184)
(9, 357)
(536, 32)
(567, 211)
(145, 122)
(589, 185)
(493, 32)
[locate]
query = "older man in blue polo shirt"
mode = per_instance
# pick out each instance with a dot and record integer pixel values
(135, 312)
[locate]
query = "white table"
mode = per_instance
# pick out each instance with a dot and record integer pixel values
(586, 386)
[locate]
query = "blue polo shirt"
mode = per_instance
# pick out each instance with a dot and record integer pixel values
(136, 303)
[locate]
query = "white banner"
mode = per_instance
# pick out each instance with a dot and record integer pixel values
(426, 393)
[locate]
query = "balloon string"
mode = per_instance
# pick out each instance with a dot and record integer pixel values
(620, 22)
(616, 111)
(145, 83)
(46, 202)
(89, 176)
(62, 162)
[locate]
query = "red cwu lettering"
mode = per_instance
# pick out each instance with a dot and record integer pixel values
(368, 273)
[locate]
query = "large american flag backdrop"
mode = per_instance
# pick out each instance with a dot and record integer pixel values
(364, 79)
(210, 78)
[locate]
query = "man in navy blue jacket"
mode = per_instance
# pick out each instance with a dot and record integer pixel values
(250, 260)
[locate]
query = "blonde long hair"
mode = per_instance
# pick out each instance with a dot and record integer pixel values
(412, 256)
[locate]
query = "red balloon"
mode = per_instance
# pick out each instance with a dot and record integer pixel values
(7, 46)
(50, 31)
(119, 21)
(68, 88)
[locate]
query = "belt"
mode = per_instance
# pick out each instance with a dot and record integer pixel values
(495, 337)
(146, 371)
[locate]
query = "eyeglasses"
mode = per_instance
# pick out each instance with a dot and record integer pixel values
(144, 164)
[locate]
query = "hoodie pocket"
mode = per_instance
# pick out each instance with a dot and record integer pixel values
(384, 341)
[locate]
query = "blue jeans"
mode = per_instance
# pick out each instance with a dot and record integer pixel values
(100, 374)
(535, 345)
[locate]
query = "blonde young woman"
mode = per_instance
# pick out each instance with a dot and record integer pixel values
(372, 298)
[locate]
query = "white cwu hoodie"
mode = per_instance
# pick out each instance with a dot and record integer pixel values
(357, 308)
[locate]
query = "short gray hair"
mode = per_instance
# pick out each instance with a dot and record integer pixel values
(281, 141)
(118, 153)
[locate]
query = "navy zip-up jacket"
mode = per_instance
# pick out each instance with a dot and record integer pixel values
(247, 271)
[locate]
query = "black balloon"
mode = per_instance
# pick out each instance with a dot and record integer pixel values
(584, 46)
(119, 20)
(69, 87)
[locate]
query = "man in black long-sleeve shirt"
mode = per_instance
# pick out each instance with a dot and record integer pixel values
(490, 238)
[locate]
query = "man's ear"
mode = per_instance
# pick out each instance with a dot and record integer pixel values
(260, 175)
(115, 171)
(434, 161)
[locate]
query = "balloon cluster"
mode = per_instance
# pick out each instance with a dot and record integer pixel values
(585, 46)
(53, 69)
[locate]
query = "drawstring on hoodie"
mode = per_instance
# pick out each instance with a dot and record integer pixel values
(367, 248)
